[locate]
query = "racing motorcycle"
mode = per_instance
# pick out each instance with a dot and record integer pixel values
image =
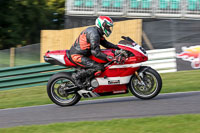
(125, 73)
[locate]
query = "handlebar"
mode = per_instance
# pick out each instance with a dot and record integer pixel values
(120, 52)
(107, 64)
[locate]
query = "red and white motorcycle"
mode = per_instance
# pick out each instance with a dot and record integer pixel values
(117, 78)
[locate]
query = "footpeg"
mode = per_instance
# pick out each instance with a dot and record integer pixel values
(90, 88)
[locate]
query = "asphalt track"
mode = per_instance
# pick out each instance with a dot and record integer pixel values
(104, 109)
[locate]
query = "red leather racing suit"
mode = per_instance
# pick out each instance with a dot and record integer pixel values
(88, 43)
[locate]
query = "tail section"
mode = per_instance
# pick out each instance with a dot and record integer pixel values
(58, 57)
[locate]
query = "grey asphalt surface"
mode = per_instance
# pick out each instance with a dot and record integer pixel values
(104, 109)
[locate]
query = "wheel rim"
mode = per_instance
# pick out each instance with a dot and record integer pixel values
(150, 88)
(58, 93)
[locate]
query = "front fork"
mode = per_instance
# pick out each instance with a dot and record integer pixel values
(141, 82)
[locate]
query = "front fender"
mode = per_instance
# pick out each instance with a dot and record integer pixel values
(143, 69)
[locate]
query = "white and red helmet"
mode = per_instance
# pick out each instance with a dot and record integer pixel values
(106, 24)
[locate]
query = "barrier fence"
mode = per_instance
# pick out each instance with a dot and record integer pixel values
(27, 76)
(20, 56)
(163, 60)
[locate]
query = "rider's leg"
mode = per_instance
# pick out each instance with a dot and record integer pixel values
(89, 68)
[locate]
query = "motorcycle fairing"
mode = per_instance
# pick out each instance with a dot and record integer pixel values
(111, 88)
(115, 78)
(139, 53)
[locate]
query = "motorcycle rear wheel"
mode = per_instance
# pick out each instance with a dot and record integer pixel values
(55, 90)
(152, 87)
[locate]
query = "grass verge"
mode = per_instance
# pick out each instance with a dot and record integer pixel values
(160, 124)
(172, 82)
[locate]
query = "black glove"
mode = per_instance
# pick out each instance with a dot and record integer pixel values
(116, 47)
(122, 52)
(120, 59)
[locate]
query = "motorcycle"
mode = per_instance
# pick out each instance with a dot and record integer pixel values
(119, 76)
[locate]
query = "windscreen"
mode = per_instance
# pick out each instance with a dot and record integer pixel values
(128, 43)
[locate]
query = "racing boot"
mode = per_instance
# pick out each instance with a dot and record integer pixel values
(77, 80)
(77, 77)
(80, 77)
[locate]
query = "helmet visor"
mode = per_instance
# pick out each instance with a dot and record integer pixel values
(109, 28)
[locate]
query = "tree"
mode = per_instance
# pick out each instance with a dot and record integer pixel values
(9, 28)
(22, 20)
(57, 8)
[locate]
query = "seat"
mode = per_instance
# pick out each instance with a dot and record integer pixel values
(175, 4)
(89, 3)
(117, 4)
(146, 4)
(106, 3)
(134, 3)
(192, 5)
(163, 4)
(78, 3)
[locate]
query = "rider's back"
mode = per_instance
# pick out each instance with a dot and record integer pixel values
(89, 37)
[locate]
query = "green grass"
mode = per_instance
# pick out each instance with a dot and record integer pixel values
(161, 124)
(172, 82)
(23, 97)
(181, 81)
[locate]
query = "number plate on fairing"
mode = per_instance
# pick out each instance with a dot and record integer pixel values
(113, 82)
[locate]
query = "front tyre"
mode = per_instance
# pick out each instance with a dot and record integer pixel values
(150, 86)
(56, 90)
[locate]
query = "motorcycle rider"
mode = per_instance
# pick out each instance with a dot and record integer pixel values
(88, 43)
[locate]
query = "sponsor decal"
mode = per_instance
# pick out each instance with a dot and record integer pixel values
(120, 80)
(113, 82)
(191, 54)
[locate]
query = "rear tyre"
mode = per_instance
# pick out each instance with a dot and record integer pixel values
(56, 92)
(151, 87)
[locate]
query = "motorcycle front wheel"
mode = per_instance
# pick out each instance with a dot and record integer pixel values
(150, 86)
(56, 90)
